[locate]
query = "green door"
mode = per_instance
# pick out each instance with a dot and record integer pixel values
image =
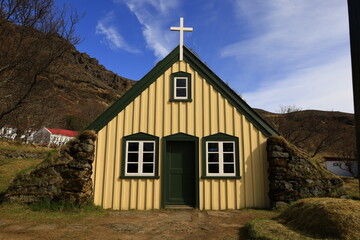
(180, 173)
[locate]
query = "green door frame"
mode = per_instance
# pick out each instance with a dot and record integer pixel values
(186, 138)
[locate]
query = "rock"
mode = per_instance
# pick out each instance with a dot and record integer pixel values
(81, 165)
(336, 181)
(280, 206)
(77, 185)
(278, 169)
(276, 154)
(278, 162)
(88, 156)
(71, 173)
(275, 148)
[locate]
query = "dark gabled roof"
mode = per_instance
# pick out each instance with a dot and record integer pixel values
(204, 71)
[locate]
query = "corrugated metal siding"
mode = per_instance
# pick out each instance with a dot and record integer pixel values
(153, 113)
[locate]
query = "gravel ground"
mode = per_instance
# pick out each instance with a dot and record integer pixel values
(160, 224)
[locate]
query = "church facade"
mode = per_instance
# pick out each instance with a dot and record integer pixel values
(181, 137)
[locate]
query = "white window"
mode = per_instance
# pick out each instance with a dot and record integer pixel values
(220, 158)
(181, 88)
(140, 158)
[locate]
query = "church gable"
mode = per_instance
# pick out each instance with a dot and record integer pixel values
(172, 75)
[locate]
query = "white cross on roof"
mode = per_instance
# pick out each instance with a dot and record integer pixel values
(181, 29)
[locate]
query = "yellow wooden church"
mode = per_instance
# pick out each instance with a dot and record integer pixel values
(181, 137)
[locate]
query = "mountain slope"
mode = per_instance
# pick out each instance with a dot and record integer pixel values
(317, 132)
(69, 94)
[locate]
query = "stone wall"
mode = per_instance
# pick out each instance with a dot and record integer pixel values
(293, 175)
(22, 154)
(65, 175)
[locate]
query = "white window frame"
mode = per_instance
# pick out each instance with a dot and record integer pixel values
(186, 88)
(140, 158)
(221, 159)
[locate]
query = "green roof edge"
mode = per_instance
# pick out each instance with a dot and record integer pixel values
(135, 91)
(204, 71)
(228, 93)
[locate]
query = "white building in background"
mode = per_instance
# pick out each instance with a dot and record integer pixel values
(8, 133)
(53, 136)
(27, 136)
(342, 167)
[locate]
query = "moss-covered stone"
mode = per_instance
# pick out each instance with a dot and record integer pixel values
(64, 175)
(293, 175)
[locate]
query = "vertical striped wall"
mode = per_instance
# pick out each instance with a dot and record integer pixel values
(153, 113)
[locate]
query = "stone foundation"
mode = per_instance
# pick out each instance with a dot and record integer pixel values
(66, 175)
(293, 175)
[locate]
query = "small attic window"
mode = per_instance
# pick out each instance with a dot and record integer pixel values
(180, 87)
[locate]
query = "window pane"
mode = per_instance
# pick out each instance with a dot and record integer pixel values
(228, 157)
(148, 157)
(148, 146)
(132, 168)
(213, 157)
(181, 92)
(181, 82)
(148, 168)
(133, 146)
(133, 157)
(213, 147)
(228, 168)
(213, 168)
(228, 147)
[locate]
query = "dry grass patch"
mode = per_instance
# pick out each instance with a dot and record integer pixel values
(10, 167)
(262, 229)
(39, 214)
(351, 186)
(19, 146)
(324, 218)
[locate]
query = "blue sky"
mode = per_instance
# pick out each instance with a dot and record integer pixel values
(273, 52)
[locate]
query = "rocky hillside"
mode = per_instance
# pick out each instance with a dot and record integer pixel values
(317, 132)
(69, 94)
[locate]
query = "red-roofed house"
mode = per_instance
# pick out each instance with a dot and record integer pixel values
(53, 136)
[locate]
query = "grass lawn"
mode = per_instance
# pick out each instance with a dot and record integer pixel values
(352, 187)
(18, 146)
(266, 229)
(10, 167)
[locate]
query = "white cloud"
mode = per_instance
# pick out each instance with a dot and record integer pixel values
(155, 16)
(290, 33)
(111, 34)
(298, 49)
(326, 87)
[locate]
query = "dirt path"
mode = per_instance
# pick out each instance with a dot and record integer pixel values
(162, 224)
